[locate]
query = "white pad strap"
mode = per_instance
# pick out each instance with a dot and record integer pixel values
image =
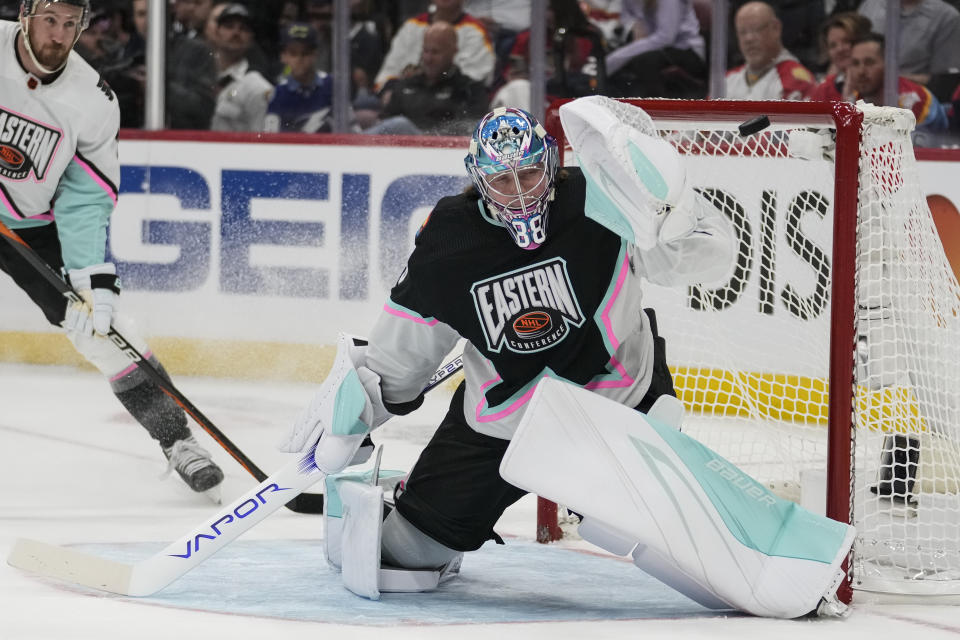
(353, 539)
(668, 410)
(333, 510)
(363, 517)
(700, 524)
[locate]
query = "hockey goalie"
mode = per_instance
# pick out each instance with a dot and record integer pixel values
(567, 392)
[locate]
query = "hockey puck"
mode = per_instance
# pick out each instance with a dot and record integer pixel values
(754, 125)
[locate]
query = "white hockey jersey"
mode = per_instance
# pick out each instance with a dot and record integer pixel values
(58, 151)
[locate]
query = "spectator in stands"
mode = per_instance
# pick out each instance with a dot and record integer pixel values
(243, 93)
(504, 20)
(836, 41)
(189, 16)
(929, 36)
(210, 26)
(771, 72)
(953, 112)
(365, 113)
(866, 79)
(367, 45)
(367, 40)
(583, 48)
(319, 13)
(191, 71)
(438, 99)
(605, 15)
(475, 56)
(302, 98)
(661, 34)
(94, 43)
(800, 22)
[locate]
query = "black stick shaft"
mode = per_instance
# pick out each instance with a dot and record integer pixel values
(303, 503)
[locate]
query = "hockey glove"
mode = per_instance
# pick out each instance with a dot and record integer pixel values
(98, 287)
(346, 408)
(634, 177)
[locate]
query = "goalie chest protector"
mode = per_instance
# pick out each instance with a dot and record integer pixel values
(524, 310)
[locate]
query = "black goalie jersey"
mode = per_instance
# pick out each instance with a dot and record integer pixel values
(571, 309)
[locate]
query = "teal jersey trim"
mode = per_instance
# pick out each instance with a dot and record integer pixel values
(753, 514)
(648, 174)
(82, 210)
(348, 404)
(598, 206)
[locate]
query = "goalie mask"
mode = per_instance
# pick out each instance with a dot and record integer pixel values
(513, 163)
(44, 55)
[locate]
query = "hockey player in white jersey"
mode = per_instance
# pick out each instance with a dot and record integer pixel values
(540, 268)
(59, 174)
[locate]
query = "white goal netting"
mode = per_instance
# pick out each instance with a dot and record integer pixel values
(752, 356)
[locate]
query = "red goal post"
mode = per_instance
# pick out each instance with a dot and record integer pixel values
(826, 334)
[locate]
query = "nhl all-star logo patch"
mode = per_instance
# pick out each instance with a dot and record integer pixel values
(25, 145)
(529, 309)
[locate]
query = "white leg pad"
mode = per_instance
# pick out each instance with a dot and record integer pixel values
(622, 544)
(696, 521)
(333, 511)
(360, 551)
(353, 517)
(667, 572)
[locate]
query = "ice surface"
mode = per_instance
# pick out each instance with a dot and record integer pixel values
(75, 469)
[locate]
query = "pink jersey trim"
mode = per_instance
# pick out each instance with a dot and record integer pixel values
(407, 316)
(625, 380)
(16, 216)
(519, 402)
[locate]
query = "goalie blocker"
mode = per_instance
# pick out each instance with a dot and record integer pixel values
(687, 516)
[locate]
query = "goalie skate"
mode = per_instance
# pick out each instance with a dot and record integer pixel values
(195, 466)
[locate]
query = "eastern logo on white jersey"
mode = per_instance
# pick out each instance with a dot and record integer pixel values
(25, 145)
(528, 310)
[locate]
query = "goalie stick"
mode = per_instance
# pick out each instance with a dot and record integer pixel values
(149, 576)
(303, 502)
(176, 559)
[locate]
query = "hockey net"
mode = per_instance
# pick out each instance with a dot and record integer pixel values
(827, 366)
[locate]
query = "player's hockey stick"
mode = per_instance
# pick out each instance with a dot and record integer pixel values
(201, 542)
(302, 503)
(179, 557)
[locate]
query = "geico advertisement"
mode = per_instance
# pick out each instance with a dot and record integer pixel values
(284, 242)
(294, 242)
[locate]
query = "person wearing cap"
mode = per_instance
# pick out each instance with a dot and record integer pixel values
(243, 93)
(303, 96)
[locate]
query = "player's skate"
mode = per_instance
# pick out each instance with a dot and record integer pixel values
(195, 466)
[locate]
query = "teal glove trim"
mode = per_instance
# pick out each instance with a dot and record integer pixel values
(348, 405)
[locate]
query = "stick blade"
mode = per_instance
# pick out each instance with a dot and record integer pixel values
(71, 566)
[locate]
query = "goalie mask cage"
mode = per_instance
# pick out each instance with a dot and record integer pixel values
(827, 365)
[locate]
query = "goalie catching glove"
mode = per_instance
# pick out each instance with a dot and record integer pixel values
(347, 407)
(636, 181)
(98, 287)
